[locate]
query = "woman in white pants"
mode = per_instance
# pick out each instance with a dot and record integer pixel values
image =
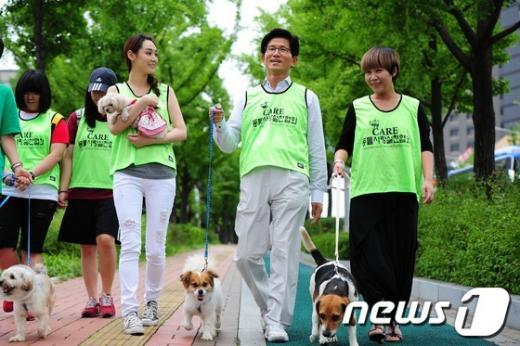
(143, 170)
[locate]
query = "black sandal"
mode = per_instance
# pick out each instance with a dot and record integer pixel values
(376, 333)
(393, 333)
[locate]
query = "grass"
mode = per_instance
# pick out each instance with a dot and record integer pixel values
(63, 260)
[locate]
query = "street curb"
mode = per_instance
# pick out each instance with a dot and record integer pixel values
(434, 290)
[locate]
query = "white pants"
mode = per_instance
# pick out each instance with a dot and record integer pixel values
(272, 208)
(128, 199)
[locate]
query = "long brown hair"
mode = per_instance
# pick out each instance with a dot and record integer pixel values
(134, 43)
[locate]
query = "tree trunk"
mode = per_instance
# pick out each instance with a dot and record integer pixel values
(483, 114)
(39, 40)
(441, 169)
(184, 194)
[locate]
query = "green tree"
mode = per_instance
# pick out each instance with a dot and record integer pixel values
(190, 53)
(36, 31)
(477, 24)
(333, 39)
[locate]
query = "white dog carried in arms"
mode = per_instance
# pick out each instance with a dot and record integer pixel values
(31, 290)
(149, 123)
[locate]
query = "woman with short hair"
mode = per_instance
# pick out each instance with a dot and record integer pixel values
(387, 136)
(41, 143)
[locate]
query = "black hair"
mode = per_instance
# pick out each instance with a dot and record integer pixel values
(294, 41)
(91, 111)
(134, 43)
(1, 47)
(33, 81)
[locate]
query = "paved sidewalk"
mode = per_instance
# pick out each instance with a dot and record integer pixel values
(68, 328)
(240, 316)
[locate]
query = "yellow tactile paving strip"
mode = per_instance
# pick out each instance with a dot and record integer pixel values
(171, 299)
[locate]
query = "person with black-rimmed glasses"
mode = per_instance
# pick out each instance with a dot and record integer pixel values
(282, 164)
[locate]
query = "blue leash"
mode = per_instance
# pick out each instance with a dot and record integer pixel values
(208, 194)
(10, 182)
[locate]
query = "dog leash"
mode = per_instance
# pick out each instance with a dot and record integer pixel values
(338, 196)
(10, 182)
(28, 259)
(208, 190)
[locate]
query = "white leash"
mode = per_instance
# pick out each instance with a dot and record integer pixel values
(338, 196)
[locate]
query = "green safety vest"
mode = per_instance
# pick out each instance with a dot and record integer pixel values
(124, 153)
(387, 149)
(274, 130)
(91, 156)
(34, 144)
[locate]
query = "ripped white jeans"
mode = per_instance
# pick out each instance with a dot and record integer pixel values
(128, 199)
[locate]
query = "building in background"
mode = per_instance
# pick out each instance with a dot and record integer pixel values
(459, 132)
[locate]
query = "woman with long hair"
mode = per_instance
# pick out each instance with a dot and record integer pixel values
(143, 167)
(86, 189)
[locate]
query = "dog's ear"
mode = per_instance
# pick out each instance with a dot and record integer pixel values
(185, 279)
(346, 302)
(212, 274)
(317, 305)
(27, 284)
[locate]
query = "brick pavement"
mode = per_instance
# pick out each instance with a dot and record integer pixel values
(68, 328)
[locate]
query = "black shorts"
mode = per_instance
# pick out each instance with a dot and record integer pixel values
(14, 216)
(84, 220)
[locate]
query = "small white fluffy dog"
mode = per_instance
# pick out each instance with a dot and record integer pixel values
(114, 105)
(31, 290)
(203, 296)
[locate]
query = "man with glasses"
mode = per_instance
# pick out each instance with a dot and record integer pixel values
(282, 163)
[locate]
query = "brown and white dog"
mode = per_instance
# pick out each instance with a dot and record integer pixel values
(203, 296)
(31, 290)
(332, 288)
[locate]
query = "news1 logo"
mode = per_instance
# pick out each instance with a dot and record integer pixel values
(489, 317)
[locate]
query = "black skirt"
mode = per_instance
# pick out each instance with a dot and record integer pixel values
(383, 243)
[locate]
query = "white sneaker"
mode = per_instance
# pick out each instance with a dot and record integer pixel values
(262, 320)
(151, 314)
(132, 324)
(276, 333)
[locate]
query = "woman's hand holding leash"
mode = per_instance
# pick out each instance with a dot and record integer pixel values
(339, 168)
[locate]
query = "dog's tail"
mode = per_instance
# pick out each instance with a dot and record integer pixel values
(311, 248)
(40, 269)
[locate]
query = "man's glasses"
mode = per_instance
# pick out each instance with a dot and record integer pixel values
(281, 50)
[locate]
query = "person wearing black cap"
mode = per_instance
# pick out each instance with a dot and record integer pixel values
(86, 186)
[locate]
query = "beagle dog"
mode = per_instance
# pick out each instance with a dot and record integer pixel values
(332, 288)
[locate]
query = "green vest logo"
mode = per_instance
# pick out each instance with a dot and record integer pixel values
(96, 140)
(275, 115)
(29, 139)
(384, 136)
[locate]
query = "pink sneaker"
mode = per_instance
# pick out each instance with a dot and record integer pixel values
(8, 306)
(91, 309)
(106, 306)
